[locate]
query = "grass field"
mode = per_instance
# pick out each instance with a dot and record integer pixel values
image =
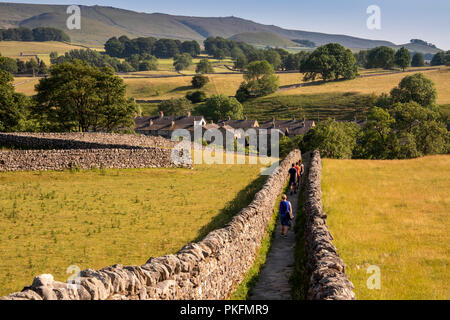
(339, 105)
(176, 87)
(342, 99)
(395, 215)
(13, 49)
(378, 85)
(92, 219)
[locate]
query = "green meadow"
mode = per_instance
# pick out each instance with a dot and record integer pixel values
(395, 215)
(92, 219)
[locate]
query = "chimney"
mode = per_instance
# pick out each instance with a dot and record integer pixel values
(151, 122)
(161, 114)
(188, 114)
(173, 123)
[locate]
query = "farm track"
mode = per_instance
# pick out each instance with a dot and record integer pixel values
(273, 282)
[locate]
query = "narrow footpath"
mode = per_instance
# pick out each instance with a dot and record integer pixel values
(273, 282)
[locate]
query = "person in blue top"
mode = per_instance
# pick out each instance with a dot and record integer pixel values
(285, 215)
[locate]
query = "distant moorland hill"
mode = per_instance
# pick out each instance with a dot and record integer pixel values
(99, 23)
(264, 39)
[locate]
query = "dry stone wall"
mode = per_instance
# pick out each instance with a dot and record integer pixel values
(209, 269)
(91, 140)
(43, 160)
(325, 269)
(59, 151)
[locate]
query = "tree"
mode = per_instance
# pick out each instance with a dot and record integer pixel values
(415, 88)
(199, 81)
(257, 70)
(114, 47)
(361, 58)
(404, 130)
(175, 107)
(32, 66)
(273, 57)
(182, 61)
(196, 96)
(439, 59)
(166, 48)
(333, 139)
(377, 140)
(8, 64)
(37, 34)
(148, 63)
(240, 62)
(418, 60)
(330, 62)
(12, 105)
(220, 107)
(42, 68)
(219, 54)
(191, 47)
(380, 57)
(204, 66)
(145, 45)
(93, 58)
(402, 58)
(259, 80)
(80, 97)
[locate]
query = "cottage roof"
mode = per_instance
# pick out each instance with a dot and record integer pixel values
(240, 124)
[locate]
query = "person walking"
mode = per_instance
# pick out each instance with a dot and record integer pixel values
(297, 167)
(302, 172)
(286, 215)
(293, 175)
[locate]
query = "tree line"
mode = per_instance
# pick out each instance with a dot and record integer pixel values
(17, 66)
(100, 59)
(387, 58)
(404, 124)
(40, 34)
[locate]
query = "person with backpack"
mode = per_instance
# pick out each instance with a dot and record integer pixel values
(293, 176)
(286, 215)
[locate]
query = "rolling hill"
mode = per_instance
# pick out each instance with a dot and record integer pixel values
(99, 23)
(264, 39)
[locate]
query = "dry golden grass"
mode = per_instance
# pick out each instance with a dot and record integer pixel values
(176, 87)
(141, 87)
(13, 49)
(26, 85)
(379, 84)
(393, 214)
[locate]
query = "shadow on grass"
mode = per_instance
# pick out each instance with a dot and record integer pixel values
(182, 88)
(243, 199)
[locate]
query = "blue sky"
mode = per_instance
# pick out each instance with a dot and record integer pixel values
(401, 20)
